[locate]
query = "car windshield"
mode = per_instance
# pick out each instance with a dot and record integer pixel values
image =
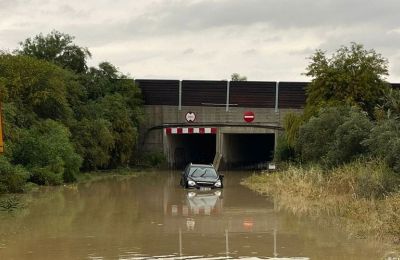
(204, 172)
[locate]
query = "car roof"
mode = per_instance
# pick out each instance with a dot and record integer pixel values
(201, 165)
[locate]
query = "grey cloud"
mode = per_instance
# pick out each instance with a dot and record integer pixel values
(373, 38)
(189, 15)
(302, 52)
(186, 16)
(188, 51)
(250, 52)
(218, 32)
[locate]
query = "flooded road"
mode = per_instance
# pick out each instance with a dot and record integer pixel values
(151, 216)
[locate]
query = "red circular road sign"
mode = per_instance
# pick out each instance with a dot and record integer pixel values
(248, 116)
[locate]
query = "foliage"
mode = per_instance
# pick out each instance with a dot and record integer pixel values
(237, 77)
(390, 105)
(58, 48)
(10, 204)
(93, 141)
(384, 142)
(12, 177)
(362, 195)
(365, 179)
(349, 136)
(283, 151)
(152, 159)
(46, 150)
(35, 86)
(292, 123)
(352, 76)
(334, 136)
(286, 142)
(61, 115)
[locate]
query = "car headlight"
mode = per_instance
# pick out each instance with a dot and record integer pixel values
(218, 183)
(191, 183)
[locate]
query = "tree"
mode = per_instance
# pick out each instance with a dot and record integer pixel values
(35, 86)
(237, 77)
(390, 106)
(45, 149)
(58, 48)
(384, 142)
(352, 76)
(334, 136)
(94, 142)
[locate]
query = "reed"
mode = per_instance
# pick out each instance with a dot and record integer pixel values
(363, 195)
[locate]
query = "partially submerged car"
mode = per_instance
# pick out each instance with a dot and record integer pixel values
(201, 176)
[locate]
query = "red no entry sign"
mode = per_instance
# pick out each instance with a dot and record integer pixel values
(248, 116)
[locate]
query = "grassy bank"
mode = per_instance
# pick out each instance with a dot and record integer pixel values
(362, 197)
(98, 175)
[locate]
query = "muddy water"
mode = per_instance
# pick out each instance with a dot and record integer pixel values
(152, 217)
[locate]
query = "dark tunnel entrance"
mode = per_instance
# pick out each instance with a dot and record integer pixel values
(195, 148)
(248, 151)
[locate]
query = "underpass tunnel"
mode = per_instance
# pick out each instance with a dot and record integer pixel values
(247, 150)
(195, 148)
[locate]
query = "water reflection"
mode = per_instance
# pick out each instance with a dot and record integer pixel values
(201, 215)
(153, 217)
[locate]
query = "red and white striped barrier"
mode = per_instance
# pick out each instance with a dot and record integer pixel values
(190, 130)
(184, 210)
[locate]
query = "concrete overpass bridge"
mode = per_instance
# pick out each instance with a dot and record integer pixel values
(205, 121)
(202, 121)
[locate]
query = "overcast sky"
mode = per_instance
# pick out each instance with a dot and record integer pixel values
(209, 39)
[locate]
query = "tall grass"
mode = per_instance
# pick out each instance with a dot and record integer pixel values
(363, 195)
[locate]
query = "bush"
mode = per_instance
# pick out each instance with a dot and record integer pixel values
(283, 151)
(45, 176)
(153, 159)
(12, 178)
(93, 141)
(46, 147)
(349, 136)
(384, 142)
(334, 136)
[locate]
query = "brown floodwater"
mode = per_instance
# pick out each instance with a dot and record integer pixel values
(152, 217)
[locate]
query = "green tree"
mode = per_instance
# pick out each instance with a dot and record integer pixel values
(384, 142)
(390, 105)
(237, 77)
(46, 150)
(352, 76)
(349, 138)
(113, 110)
(12, 178)
(94, 142)
(124, 130)
(35, 86)
(334, 136)
(58, 48)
